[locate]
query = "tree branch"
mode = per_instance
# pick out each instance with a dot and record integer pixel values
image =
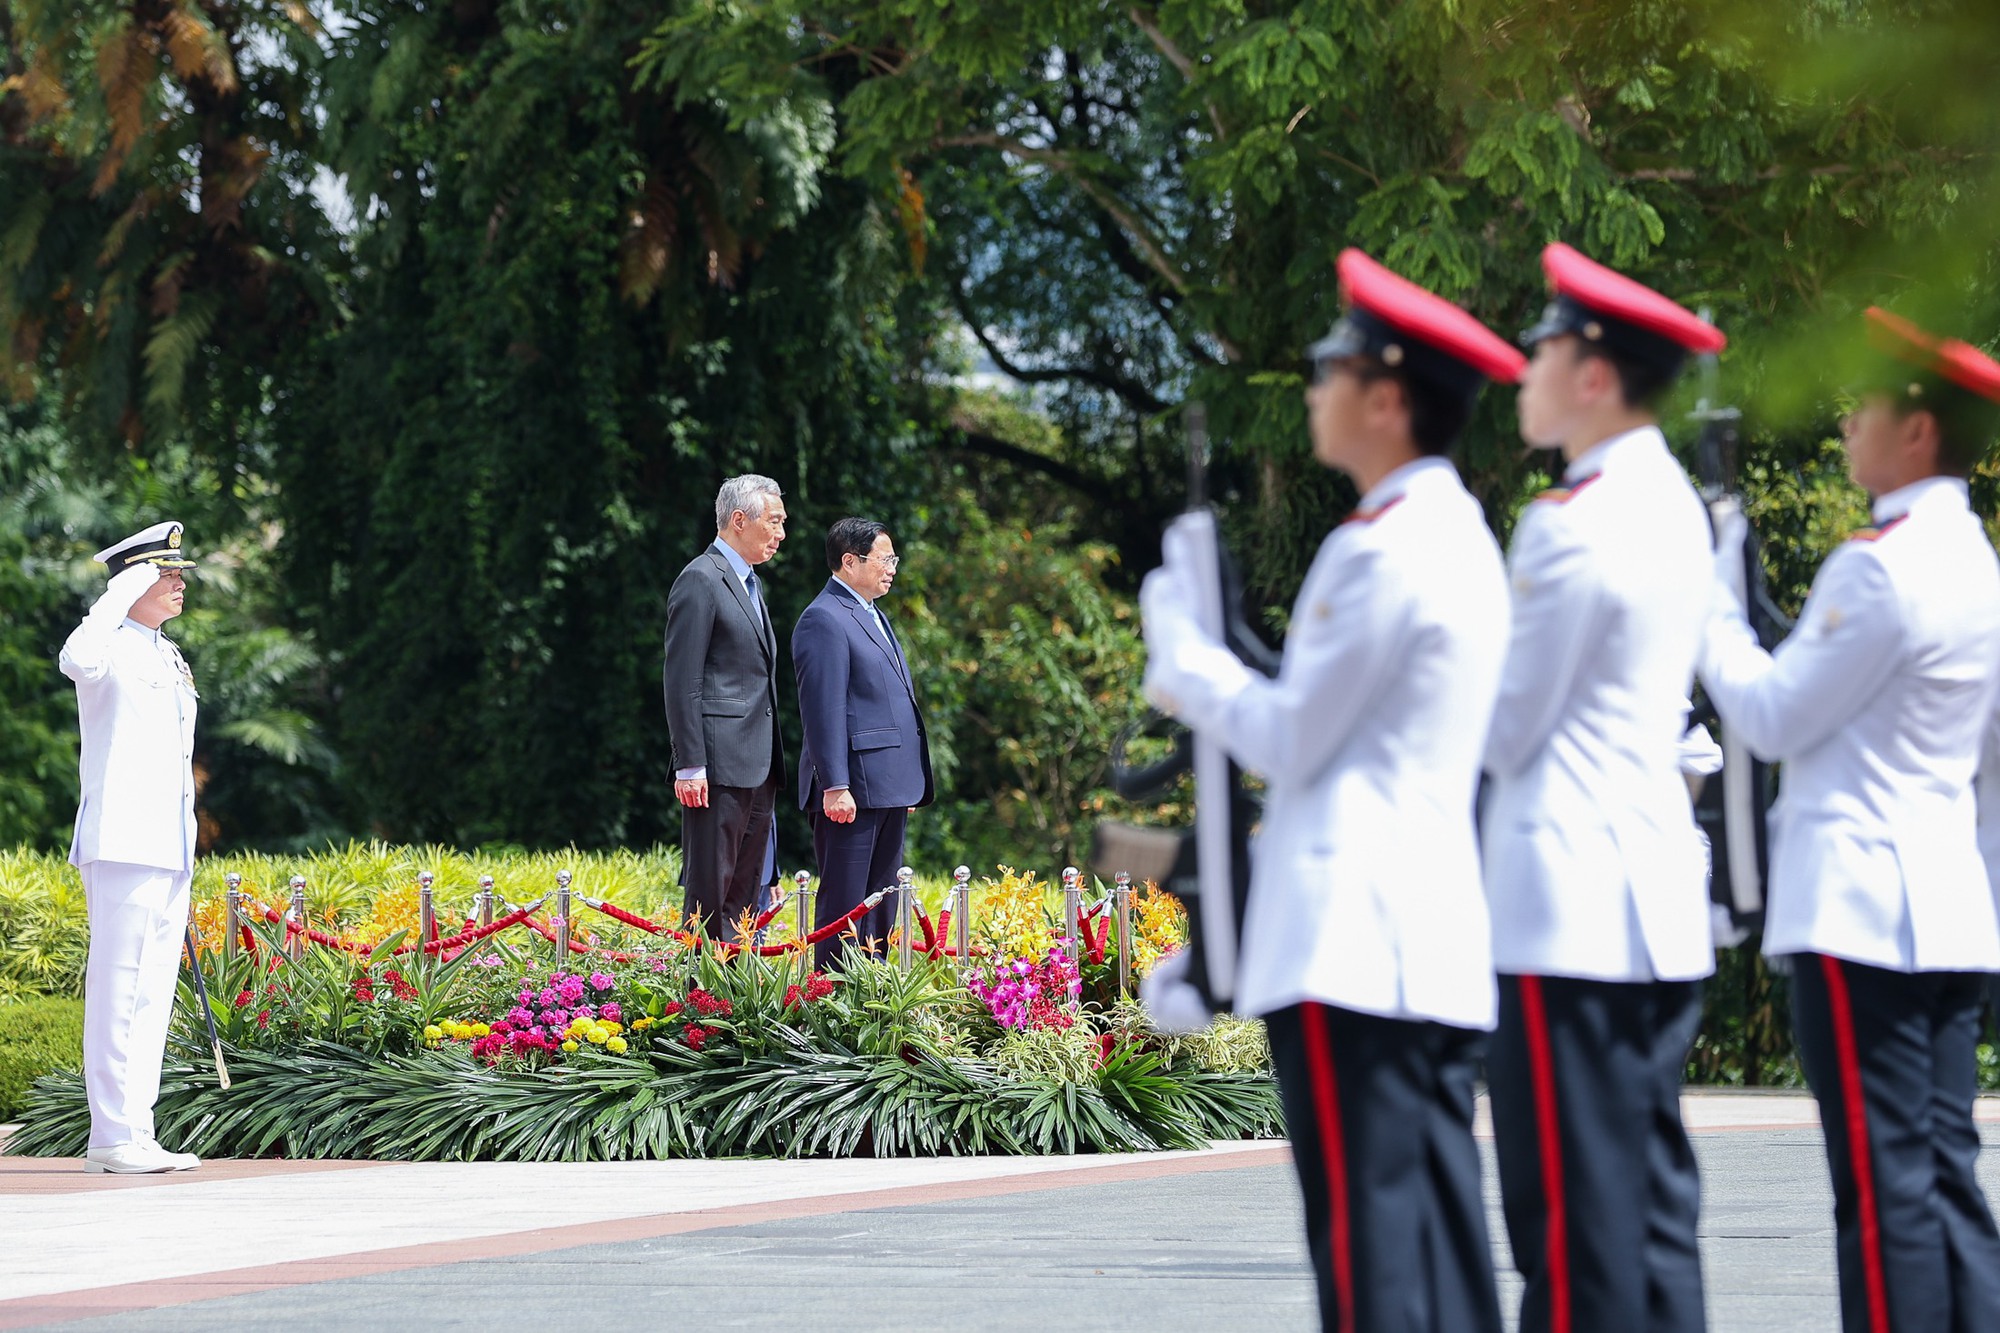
(1099, 489)
(1176, 57)
(1135, 394)
(1154, 253)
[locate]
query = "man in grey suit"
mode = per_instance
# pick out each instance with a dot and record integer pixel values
(721, 686)
(867, 759)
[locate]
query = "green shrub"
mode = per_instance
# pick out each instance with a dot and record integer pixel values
(36, 1036)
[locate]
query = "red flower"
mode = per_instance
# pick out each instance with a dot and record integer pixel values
(696, 1035)
(399, 987)
(264, 1018)
(243, 999)
(706, 1003)
(364, 990)
(817, 987)
(670, 1008)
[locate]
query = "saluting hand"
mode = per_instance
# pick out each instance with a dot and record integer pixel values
(127, 586)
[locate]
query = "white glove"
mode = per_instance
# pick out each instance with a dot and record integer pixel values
(1166, 612)
(127, 586)
(1732, 532)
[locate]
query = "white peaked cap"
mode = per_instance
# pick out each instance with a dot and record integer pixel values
(158, 545)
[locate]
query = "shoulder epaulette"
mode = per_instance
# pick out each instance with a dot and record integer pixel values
(1564, 494)
(1876, 534)
(1370, 515)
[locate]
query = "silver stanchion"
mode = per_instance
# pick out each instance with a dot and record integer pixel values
(232, 914)
(485, 900)
(906, 888)
(297, 915)
(562, 919)
(1121, 899)
(961, 915)
(426, 913)
(802, 902)
(1072, 910)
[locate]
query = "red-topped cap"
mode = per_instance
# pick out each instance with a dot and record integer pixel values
(1949, 359)
(1588, 293)
(1397, 307)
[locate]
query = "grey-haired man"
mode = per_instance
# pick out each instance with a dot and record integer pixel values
(720, 680)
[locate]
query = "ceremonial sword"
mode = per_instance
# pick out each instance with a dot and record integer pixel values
(207, 1010)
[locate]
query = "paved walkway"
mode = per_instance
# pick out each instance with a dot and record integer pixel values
(1155, 1241)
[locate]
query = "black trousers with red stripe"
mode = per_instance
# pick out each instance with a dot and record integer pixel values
(1597, 1176)
(1890, 1056)
(1379, 1111)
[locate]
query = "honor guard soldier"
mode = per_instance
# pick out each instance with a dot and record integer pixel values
(1594, 867)
(1365, 942)
(134, 839)
(1876, 705)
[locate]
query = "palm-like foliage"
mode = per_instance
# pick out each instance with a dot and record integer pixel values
(889, 1063)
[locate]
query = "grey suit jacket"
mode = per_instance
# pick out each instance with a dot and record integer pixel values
(720, 677)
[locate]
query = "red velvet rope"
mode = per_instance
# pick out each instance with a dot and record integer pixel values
(827, 931)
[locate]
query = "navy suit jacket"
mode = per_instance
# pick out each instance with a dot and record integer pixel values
(863, 730)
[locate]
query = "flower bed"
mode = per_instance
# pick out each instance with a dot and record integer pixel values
(500, 1051)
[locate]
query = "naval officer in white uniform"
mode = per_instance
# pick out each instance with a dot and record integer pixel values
(1876, 705)
(134, 840)
(1365, 943)
(1594, 867)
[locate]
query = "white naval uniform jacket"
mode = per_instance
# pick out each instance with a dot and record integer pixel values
(1877, 704)
(1593, 864)
(1365, 874)
(136, 711)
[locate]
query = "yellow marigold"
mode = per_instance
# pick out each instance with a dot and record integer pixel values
(615, 1045)
(482, 1030)
(613, 1027)
(432, 1032)
(642, 1023)
(597, 1036)
(570, 1046)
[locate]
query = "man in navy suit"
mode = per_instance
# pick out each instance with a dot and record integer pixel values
(867, 761)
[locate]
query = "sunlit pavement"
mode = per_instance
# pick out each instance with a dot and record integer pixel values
(1154, 1241)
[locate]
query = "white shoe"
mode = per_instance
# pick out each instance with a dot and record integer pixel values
(140, 1157)
(183, 1161)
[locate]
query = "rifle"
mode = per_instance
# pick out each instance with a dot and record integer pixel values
(1206, 867)
(1734, 812)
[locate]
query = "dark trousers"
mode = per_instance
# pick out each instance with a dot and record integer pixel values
(855, 860)
(1379, 1112)
(1597, 1176)
(723, 850)
(1890, 1056)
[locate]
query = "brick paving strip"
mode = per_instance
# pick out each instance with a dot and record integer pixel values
(84, 1246)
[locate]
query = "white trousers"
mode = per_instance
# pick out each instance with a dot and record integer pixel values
(138, 919)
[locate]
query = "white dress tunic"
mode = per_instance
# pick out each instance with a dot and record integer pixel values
(1593, 861)
(134, 845)
(1365, 890)
(1877, 704)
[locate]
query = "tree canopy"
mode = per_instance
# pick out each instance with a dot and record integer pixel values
(445, 321)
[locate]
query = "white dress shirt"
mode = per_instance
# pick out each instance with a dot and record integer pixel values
(1593, 863)
(1365, 885)
(1876, 705)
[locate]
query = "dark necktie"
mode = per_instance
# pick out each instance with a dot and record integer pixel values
(757, 603)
